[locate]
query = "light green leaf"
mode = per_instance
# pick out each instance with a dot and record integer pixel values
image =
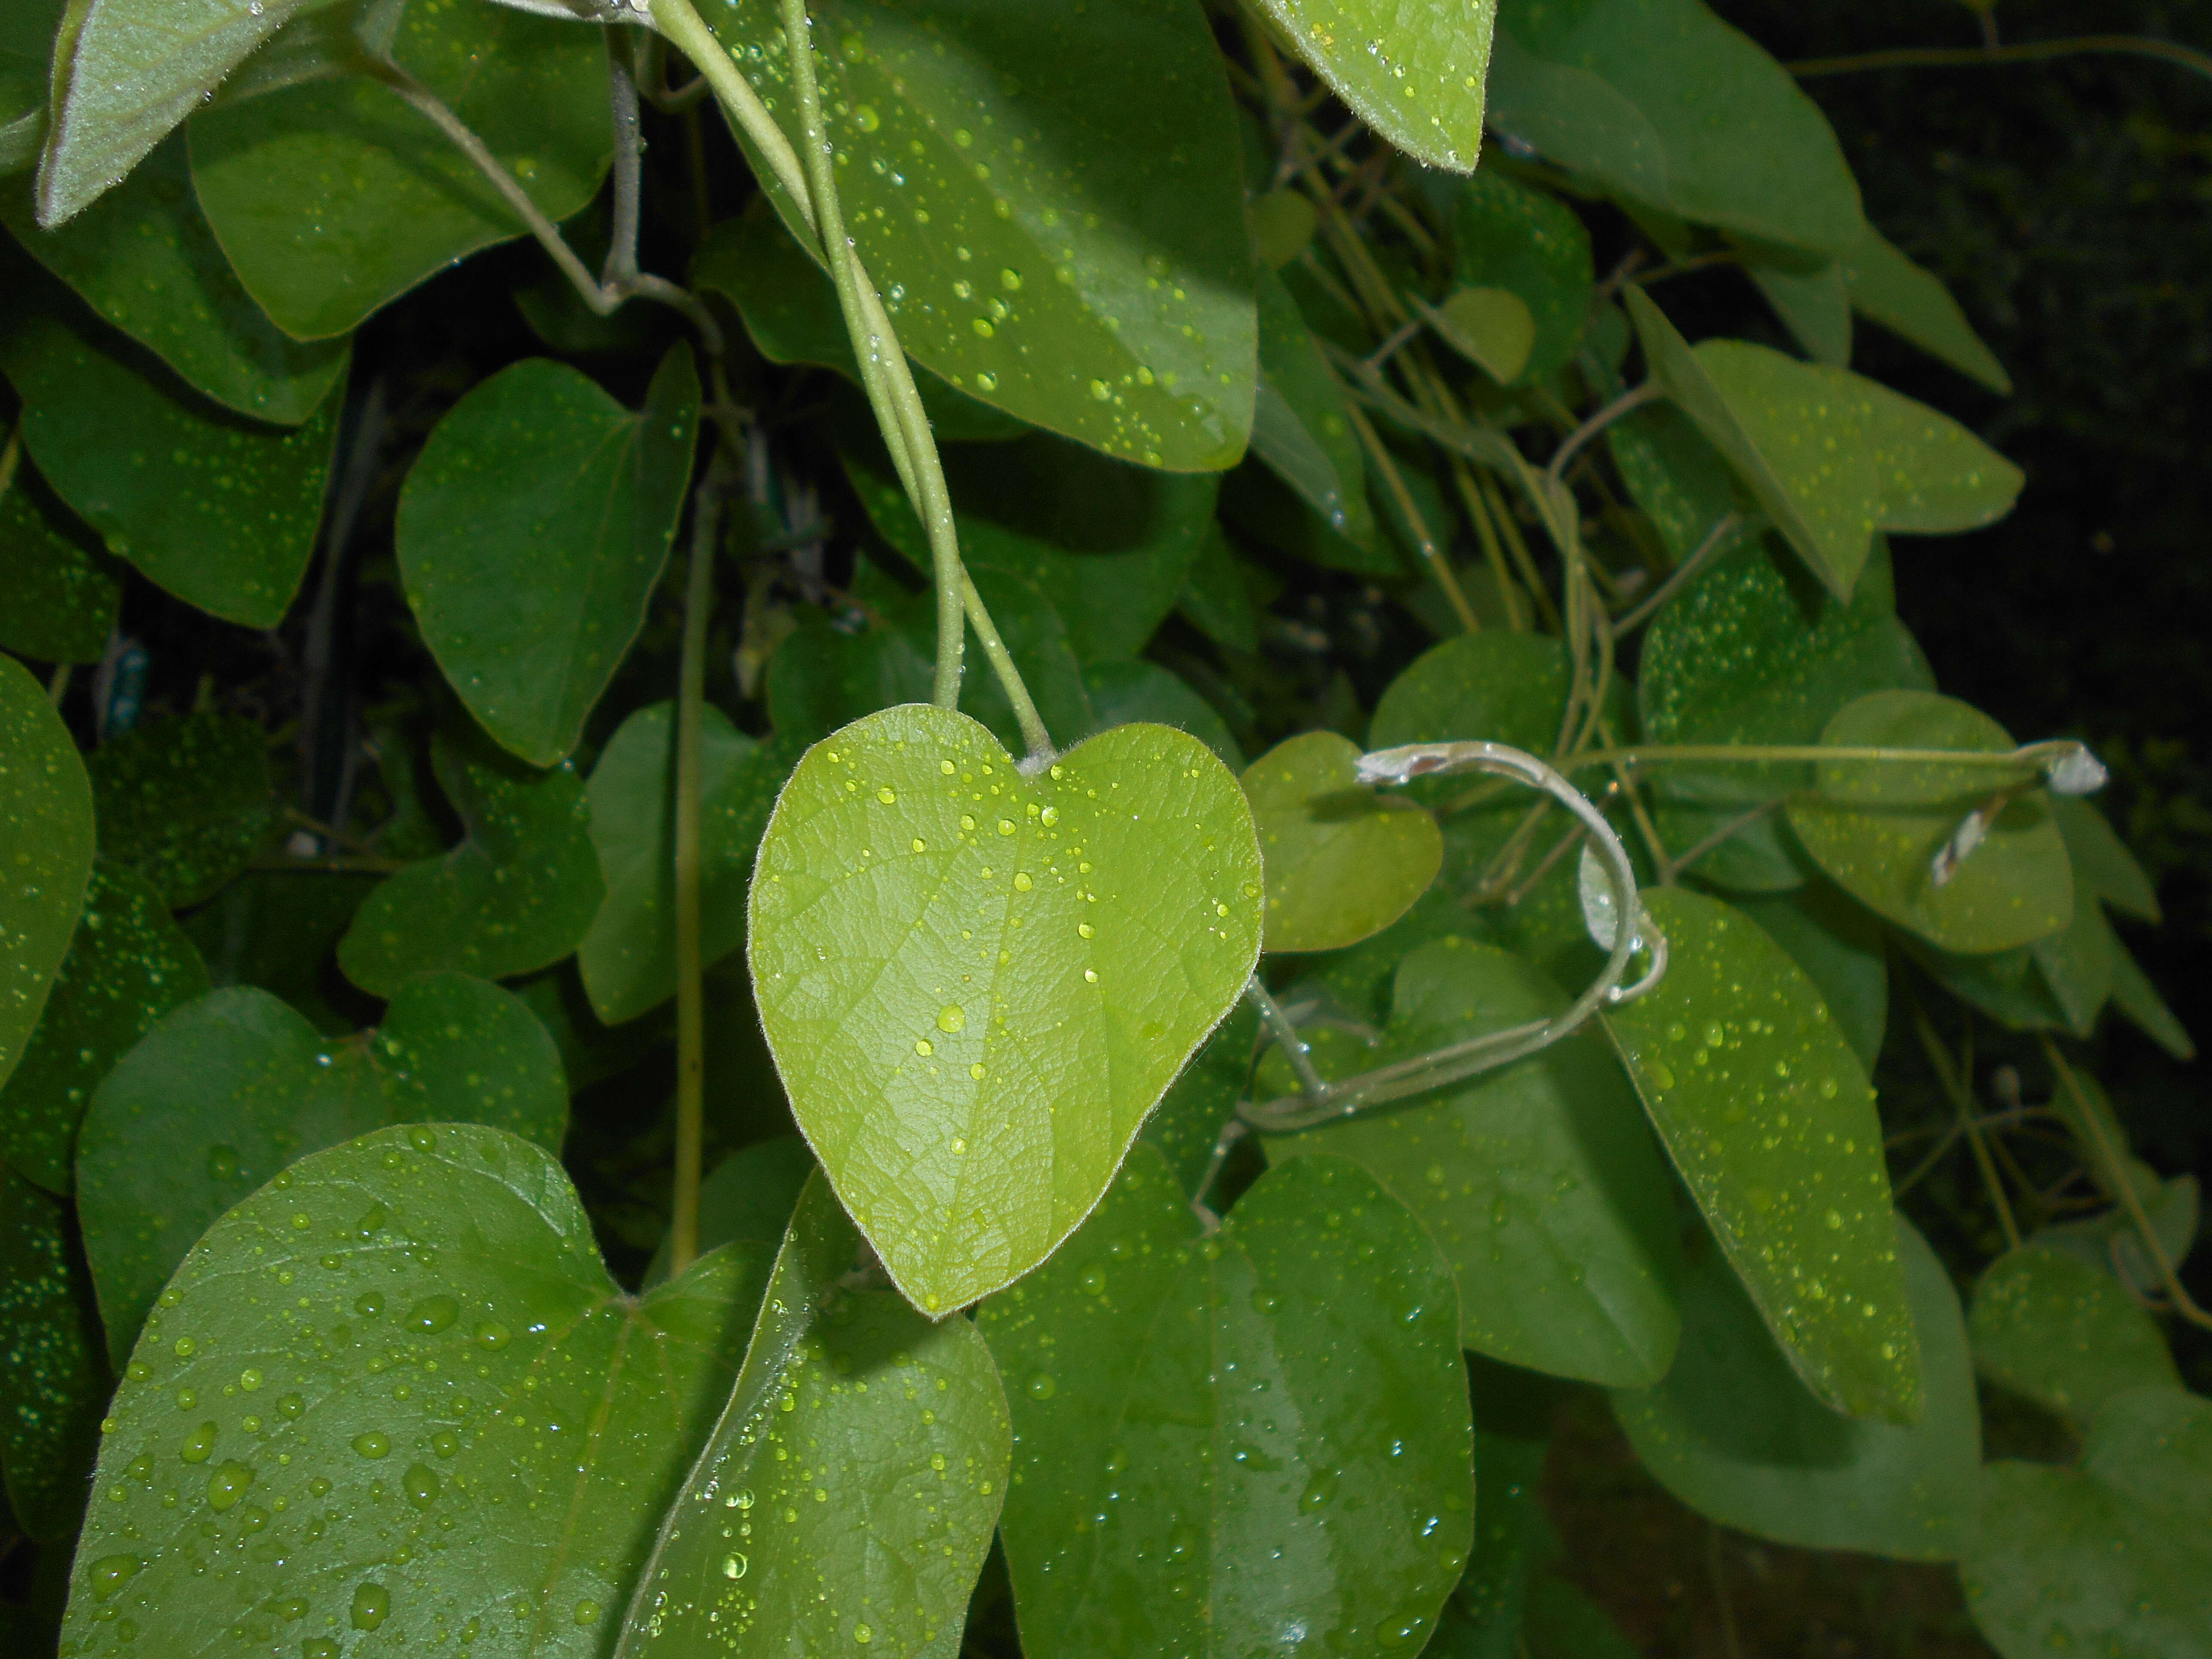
(2102, 864)
(518, 893)
(1912, 303)
(1735, 1435)
(508, 1485)
(185, 803)
(1108, 544)
(1414, 74)
(629, 956)
(46, 854)
(1840, 946)
(53, 1380)
(2111, 1556)
(1133, 690)
(1769, 1117)
(63, 591)
(220, 511)
(126, 73)
(1124, 322)
(1491, 327)
(333, 195)
(532, 533)
(1808, 295)
(228, 1090)
(1225, 1403)
(1830, 456)
(127, 966)
(143, 258)
(1875, 828)
(1539, 1183)
(1201, 1102)
(1497, 687)
(1343, 862)
(847, 1496)
(1506, 235)
(747, 1198)
(1299, 428)
(1022, 966)
(1661, 103)
(2050, 1327)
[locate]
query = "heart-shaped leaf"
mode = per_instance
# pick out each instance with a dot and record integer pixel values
(229, 1090)
(1735, 1435)
(1768, 1113)
(1491, 327)
(1343, 862)
(1507, 236)
(400, 1392)
(64, 590)
(333, 195)
(1876, 826)
(1413, 73)
(128, 965)
(519, 893)
(1913, 304)
(538, 470)
(185, 803)
(847, 1499)
(1830, 456)
(1539, 1183)
(46, 854)
(1126, 323)
(53, 1376)
(1274, 1422)
(219, 511)
(976, 983)
(2063, 1333)
(2113, 1555)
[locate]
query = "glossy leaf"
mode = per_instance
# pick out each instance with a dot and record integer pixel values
(1840, 947)
(1023, 965)
(542, 1412)
(1298, 424)
(1734, 1434)
(185, 803)
(1875, 828)
(1067, 243)
(531, 533)
(1507, 235)
(53, 1379)
(1273, 1421)
(1343, 862)
(332, 196)
(63, 591)
(1108, 544)
(1912, 303)
(1539, 1181)
(1661, 103)
(847, 1495)
(2113, 1555)
(629, 956)
(46, 854)
(229, 1090)
(128, 965)
(143, 258)
(747, 1198)
(2066, 1335)
(1414, 74)
(518, 892)
(1769, 1117)
(1131, 691)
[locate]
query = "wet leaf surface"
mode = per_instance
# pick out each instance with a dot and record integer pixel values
(185, 803)
(64, 590)
(46, 854)
(2068, 1336)
(53, 1376)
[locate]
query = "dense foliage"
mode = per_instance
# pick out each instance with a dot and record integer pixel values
(1008, 925)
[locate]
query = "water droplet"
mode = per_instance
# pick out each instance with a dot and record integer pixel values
(369, 1304)
(587, 1612)
(1319, 1487)
(373, 1443)
(1090, 976)
(866, 118)
(952, 1018)
(319, 1646)
(291, 1406)
(228, 1485)
(419, 1485)
(1011, 280)
(1022, 882)
(863, 1635)
(976, 1071)
(492, 1335)
(1006, 826)
(1050, 816)
(445, 1442)
(982, 327)
(1093, 1281)
(110, 1573)
(924, 1047)
(223, 1163)
(422, 1138)
(1101, 391)
(985, 381)
(249, 1379)
(186, 1347)
(1085, 930)
(199, 1444)
(371, 1221)
(888, 795)
(1041, 1386)
(371, 1606)
(733, 1565)
(432, 1313)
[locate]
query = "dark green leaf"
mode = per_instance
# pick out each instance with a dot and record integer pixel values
(2066, 1335)
(1876, 827)
(1343, 862)
(143, 258)
(1273, 1423)
(1539, 1181)
(52, 1377)
(1133, 690)
(2134, 995)
(2110, 1243)
(185, 803)
(46, 854)
(1215, 598)
(520, 892)
(506, 1484)
(2112, 1555)
(1191, 1115)
(1513, 1538)
(1563, 1622)
(1298, 424)
(1768, 1115)
(629, 956)
(1890, 289)
(1414, 74)
(220, 511)
(63, 591)
(1734, 1433)
(1023, 965)
(334, 196)
(27, 38)
(532, 533)
(2102, 864)
(127, 966)
(1049, 200)
(279, 929)
(1683, 484)
(1809, 294)
(847, 1498)
(823, 676)
(231, 1089)
(1496, 687)
(1491, 327)
(1840, 946)
(1660, 102)
(748, 1198)
(1506, 235)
